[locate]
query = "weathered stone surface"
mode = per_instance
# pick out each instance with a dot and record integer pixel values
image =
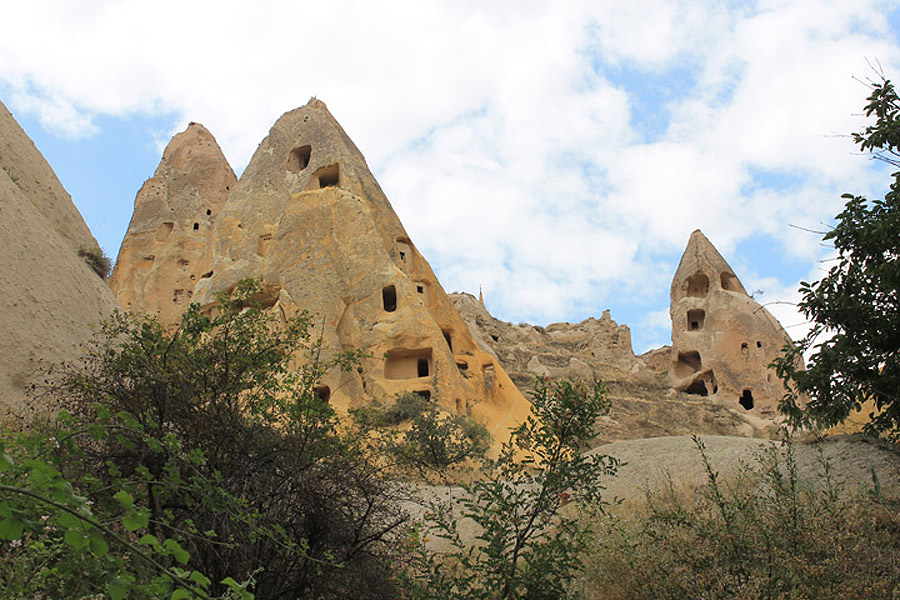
(642, 404)
(168, 248)
(594, 348)
(49, 297)
(722, 340)
(308, 217)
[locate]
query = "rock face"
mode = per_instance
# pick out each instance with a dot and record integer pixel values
(49, 297)
(309, 218)
(722, 340)
(168, 247)
(642, 404)
(592, 349)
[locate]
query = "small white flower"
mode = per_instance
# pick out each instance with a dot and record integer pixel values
(15, 543)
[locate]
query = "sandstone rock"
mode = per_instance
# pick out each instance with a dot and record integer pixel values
(722, 340)
(308, 217)
(49, 297)
(641, 402)
(168, 248)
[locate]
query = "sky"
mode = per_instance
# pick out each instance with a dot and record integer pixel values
(556, 155)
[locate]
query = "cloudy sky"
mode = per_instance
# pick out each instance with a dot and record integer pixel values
(557, 154)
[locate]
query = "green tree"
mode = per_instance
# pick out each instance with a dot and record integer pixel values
(527, 508)
(855, 307)
(222, 446)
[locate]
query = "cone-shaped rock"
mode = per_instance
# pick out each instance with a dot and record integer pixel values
(49, 297)
(168, 247)
(722, 340)
(308, 216)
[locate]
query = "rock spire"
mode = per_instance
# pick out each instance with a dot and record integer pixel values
(167, 248)
(722, 340)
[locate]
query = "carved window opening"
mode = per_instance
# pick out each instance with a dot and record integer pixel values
(329, 176)
(420, 289)
(463, 366)
(403, 363)
(758, 344)
(695, 319)
(265, 241)
(196, 226)
(206, 275)
(448, 338)
(745, 349)
(729, 282)
(746, 400)
(698, 285)
(179, 297)
(687, 363)
(323, 392)
(298, 159)
(489, 376)
(404, 249)
(697, 388)
(208, 212)
(389, 298)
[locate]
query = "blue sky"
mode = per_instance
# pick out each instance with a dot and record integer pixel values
(556, 154)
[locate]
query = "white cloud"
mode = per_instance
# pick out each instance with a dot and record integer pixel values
(508, 155)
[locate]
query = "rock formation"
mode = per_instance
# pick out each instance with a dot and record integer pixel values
(722, 340)
(309, 218)
(592, 349)
(642, 404)
(50, 297)
(168, 248)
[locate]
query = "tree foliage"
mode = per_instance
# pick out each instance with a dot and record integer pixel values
(855, 307)
(209, 443)
(525, 508)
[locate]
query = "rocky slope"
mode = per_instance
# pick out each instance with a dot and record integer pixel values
(49, 297)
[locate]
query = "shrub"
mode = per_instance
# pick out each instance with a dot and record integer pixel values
(96, 260)
(229, 453)
(529, 539)
(766, 535)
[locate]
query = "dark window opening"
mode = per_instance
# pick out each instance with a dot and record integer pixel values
(323, 392)
(206, 275)
(759, 344)
(745, 348)
(495, 337)
(298, 159)
(196, 226)
(208, 212)
(746, 399)
(329, 176)
(448, 339)
(389, 298)
(402, 255)
(422, 367)
(697, 388)
(695, 319)
(424, 394)
(489, 377)
(462, 366)
(420, 289)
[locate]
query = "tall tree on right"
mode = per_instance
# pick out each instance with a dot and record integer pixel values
(855, 308)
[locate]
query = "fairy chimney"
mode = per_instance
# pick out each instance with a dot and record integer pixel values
(167, 248)
(722, 340)
(308, 217)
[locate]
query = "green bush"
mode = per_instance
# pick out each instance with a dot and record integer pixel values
(96, 260)
(525, 508)
(213, 453)
(766, 535)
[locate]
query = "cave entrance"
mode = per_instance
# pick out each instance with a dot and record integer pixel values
(746, 399)
(389, 298)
